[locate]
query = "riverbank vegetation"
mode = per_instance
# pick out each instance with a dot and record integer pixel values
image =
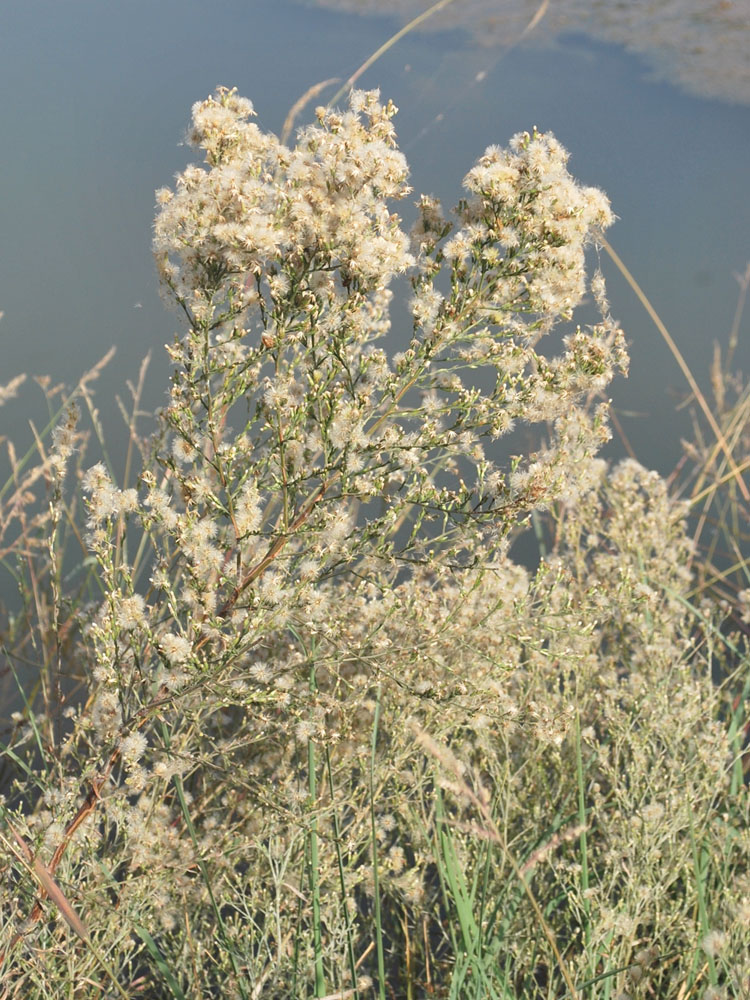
(296, 720)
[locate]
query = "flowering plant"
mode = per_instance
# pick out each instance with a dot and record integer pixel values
(323, 702)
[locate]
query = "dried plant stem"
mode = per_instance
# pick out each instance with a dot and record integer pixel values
(695, 388)
(371, 60)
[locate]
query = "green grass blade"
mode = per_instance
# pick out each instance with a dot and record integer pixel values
(177, 781)
(700, 866)
(583, 844)
(160, 962)
(375, 874)
(320, 983)
(342, 884)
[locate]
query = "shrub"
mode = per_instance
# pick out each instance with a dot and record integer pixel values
(331, 736)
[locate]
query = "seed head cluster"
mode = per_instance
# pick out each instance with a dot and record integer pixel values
(313, 682)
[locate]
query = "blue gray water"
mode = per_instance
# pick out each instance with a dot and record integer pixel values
(702, 46)
(97, 96)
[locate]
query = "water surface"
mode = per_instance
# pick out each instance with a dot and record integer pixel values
(98, 97)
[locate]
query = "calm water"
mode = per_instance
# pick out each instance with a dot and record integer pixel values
(701, 45)
(97, 97)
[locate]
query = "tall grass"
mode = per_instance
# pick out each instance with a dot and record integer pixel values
(294, 722)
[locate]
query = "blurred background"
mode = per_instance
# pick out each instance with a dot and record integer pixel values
(651, 99)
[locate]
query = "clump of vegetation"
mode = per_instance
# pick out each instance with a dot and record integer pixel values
(303, 726)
